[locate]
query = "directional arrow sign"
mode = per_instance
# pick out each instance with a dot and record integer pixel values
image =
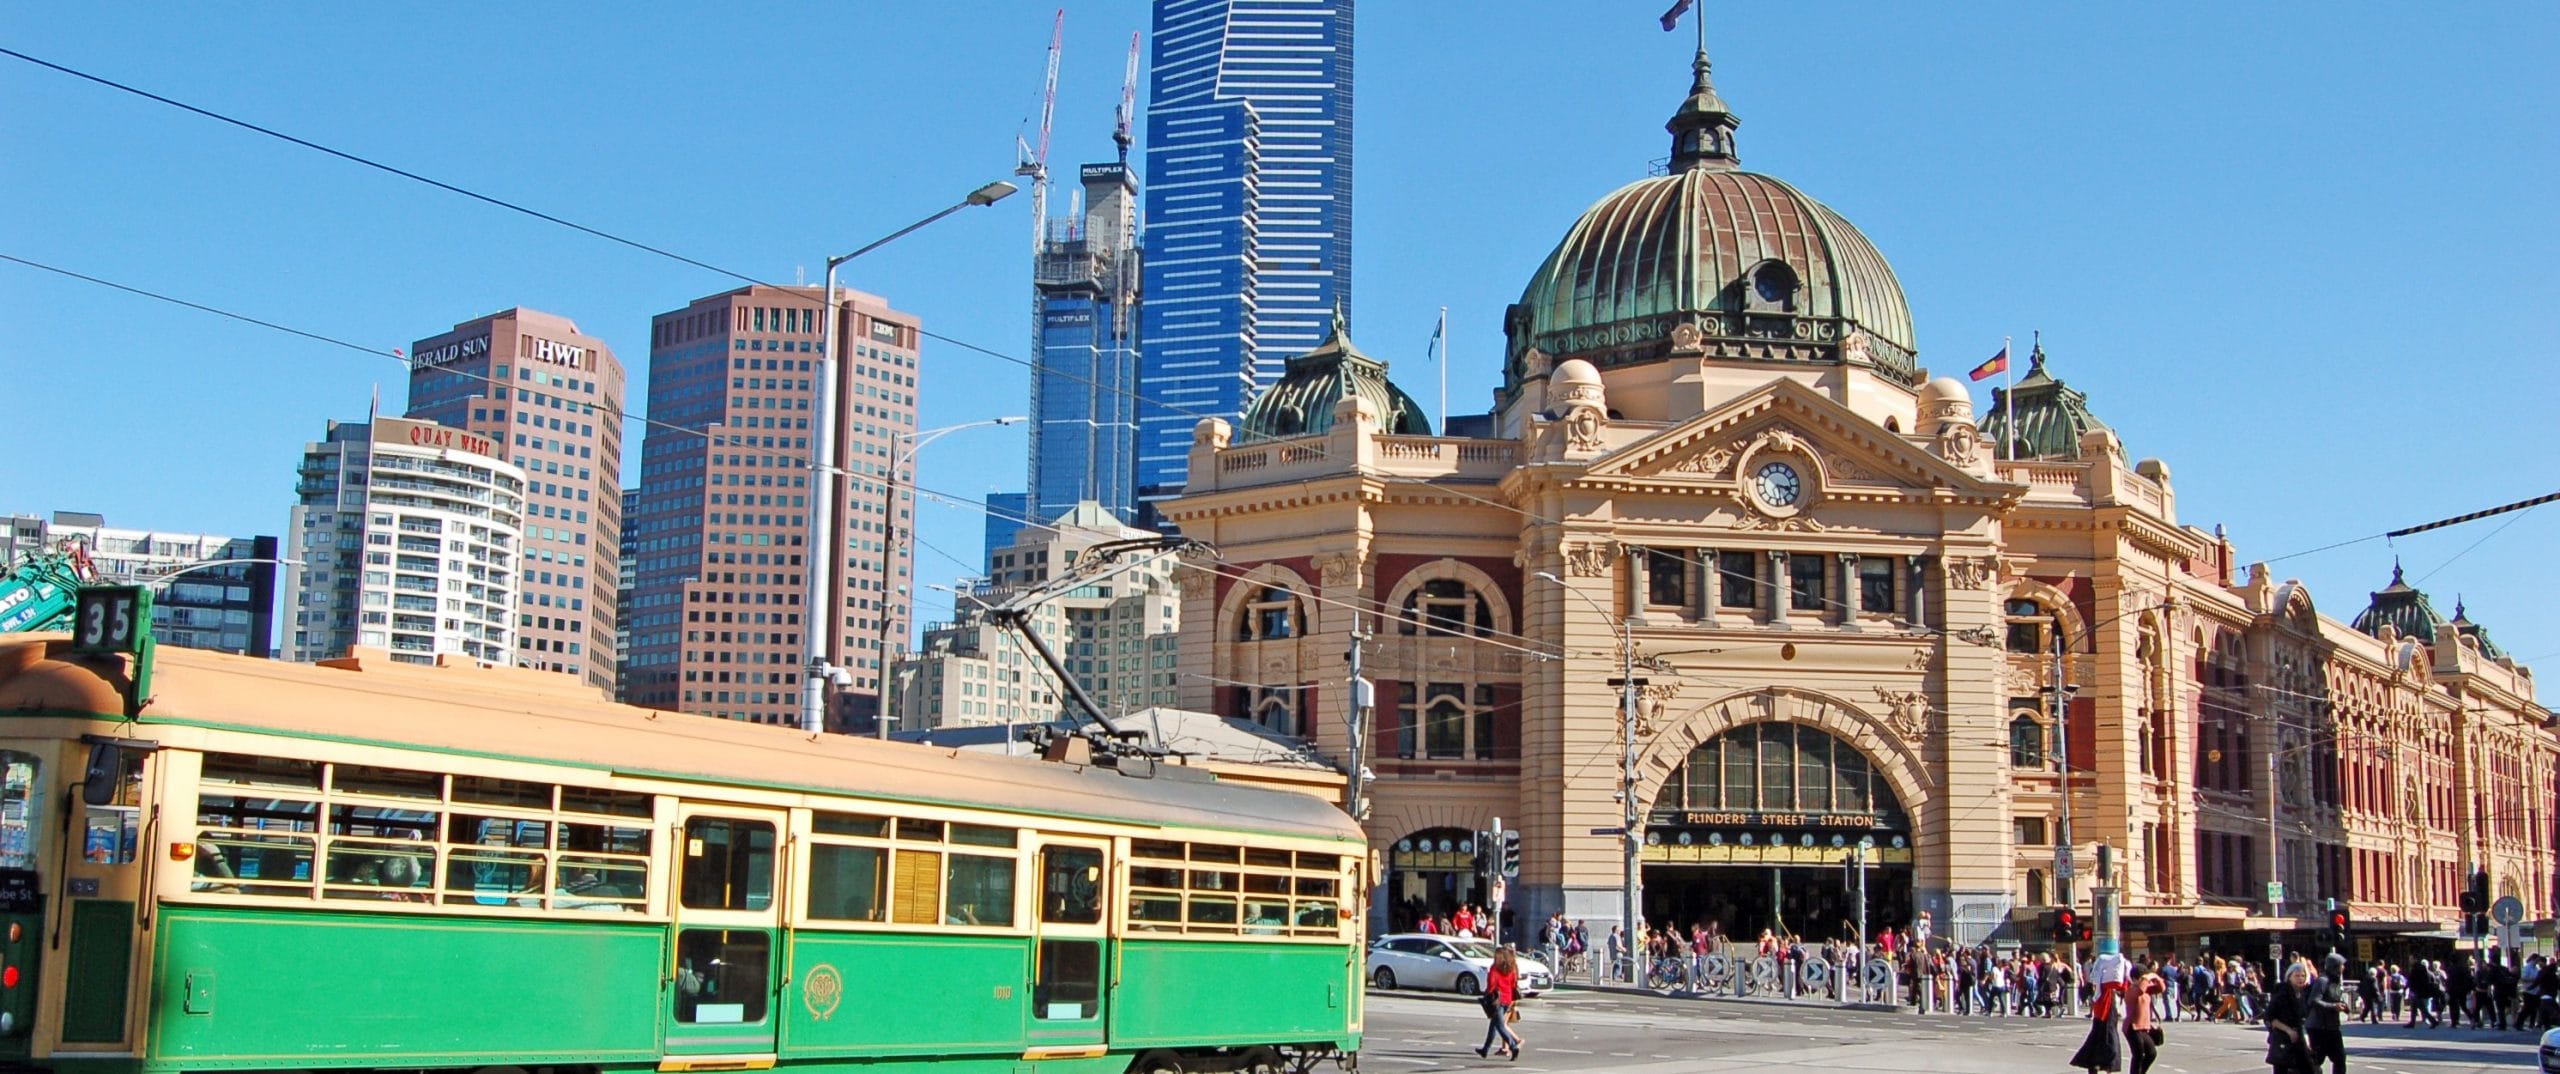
(2508, 910)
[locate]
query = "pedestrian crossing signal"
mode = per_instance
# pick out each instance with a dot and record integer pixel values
(2340, 926)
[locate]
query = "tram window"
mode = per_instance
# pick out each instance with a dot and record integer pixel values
(1148, 876)
(604, 838)
(1156, 848)
(20, 810)
(1259, 884)
(1316, 885)
(113, 829)
(1155, 911)
(241, 769)
(1208, 852)
(253, 863)
(1213, 910)
(850, 824)
(502, 792)
(1068, 985)
(464, 830)
(1202, 880)
(979, 891)
(385, 782)
(1318, 918)
(722, 976)
(917, 882)
(846, 883)
(1070, 885)
(1320, 862)
(920, 829)
(477, 876)
(728, 864)
(605, 803)
(359, 869)
(610, 884)
(982, 836)
(1266, 917)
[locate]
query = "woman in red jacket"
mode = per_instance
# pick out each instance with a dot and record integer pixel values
(1501, 990)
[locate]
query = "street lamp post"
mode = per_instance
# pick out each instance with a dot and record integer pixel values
(898, 460)
(818, 604)
(1631, 835)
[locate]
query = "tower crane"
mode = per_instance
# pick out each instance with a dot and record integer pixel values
(1128, 101)
(1035, 162)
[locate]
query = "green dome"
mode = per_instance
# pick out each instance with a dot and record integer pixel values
(1760, 270)
(1301, 402)
(2051, 415)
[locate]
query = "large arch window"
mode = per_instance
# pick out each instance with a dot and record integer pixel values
(1777, 767)
(1274, 613)
(2028, 622)
(1446, 607)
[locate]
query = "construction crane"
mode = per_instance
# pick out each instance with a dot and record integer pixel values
(1128, 101)
(1035, 162)
(38, 592)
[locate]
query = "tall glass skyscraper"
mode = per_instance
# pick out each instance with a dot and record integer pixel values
(1248, 196)
(1084, 415)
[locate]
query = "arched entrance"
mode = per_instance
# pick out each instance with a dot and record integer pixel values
(1431, 872)
(1754, 831)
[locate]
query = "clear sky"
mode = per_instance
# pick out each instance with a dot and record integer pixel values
(2302, 253)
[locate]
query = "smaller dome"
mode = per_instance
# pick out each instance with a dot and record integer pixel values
(2040, 417)
(1574, 371)
(1946, 390)
(1302, 402)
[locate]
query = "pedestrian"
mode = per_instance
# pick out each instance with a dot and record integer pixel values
(2288, 1049)
(2104, 1048)
(1617, 952)
(2369, 993)
(1501, 991)
(2142, 1035)
(2459, 985)
(2327, 999)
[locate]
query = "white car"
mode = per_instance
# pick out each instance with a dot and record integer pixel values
(2550, 1055)
(1425, 960)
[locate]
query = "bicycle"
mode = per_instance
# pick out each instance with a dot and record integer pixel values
(1667, 973)
(1573, 963)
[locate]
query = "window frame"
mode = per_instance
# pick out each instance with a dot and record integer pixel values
(906, 838)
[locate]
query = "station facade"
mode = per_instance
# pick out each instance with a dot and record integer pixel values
(1858, 617)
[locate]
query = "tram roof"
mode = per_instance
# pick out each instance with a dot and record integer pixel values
(519, 714)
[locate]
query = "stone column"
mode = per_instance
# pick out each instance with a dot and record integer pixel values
(1710, 585)
(1849, 595)
(1780, 594)
(1639, 582)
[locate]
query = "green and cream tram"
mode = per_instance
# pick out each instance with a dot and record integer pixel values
(370, 864)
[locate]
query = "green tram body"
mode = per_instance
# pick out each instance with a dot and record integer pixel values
(170, 930)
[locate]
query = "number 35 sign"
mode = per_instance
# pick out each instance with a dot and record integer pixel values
(111, 619)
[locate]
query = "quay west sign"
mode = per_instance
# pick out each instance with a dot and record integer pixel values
(430, 435)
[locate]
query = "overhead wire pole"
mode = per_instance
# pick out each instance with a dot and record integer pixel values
(818, 610)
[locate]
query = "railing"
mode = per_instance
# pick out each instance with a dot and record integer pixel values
(2068, 479)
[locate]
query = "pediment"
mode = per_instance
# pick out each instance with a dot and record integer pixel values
(1784, 416)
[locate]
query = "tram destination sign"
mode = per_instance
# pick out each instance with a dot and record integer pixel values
(1747, 819)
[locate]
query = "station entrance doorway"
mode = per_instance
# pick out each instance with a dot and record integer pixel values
(1757, 831)
(1432, 871)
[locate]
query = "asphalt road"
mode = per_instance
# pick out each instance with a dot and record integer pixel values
(1409, 1033)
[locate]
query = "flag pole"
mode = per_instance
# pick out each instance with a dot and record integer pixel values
(1443, 337)
(2008, 402)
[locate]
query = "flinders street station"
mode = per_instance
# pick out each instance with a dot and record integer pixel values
(1727, 589)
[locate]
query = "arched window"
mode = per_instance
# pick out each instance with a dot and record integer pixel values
(1446, 607)
(1273, 614)
(1777, 767)
(1275, 708)
(2026, 741)
(1439, 721)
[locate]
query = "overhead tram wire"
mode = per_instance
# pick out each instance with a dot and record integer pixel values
(792, 295)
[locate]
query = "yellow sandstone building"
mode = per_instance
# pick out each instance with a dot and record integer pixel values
(1858, 614)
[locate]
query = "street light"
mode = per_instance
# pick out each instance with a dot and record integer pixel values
(1630, 837)
(162, 577)
(898, 460)
(818, 605)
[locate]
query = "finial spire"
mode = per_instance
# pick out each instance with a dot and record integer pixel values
(2395, 570)
(1702, 128)
(2035, 356)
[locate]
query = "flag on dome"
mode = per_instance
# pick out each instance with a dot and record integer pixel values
(1998, 364)
(1671, 18)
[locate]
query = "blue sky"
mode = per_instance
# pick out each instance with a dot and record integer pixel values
(2297, 252)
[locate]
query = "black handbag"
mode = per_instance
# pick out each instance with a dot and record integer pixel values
(1492, 1007)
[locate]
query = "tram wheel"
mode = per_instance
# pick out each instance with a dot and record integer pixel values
(1466, 985)
(1384, 980)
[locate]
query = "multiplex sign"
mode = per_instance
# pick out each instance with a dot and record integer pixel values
(456, 351)
(425, 434)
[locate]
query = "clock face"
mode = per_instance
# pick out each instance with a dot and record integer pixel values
(1777, 485)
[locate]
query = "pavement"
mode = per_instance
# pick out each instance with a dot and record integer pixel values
(1643, 1033)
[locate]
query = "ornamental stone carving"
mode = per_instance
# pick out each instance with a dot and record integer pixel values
(1193, 579)
(1972, 572)
(1650, 701)
(1906, 711)
(1685, 338)
(1854, 350)
(1708, 463)
(1339, 570)
(1958, 443)
(1589, 559)
(1212, 433)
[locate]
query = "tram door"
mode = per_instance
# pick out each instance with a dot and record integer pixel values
(1070, 950)
(722, 974)
(97, 928)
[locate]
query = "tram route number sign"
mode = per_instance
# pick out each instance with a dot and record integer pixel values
(110, 619)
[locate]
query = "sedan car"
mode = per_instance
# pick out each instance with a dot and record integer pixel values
(2550, 1055)
(1425, 960)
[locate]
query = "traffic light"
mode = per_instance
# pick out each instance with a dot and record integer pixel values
(1482, 861)
(2475, 898)
(1511, 853)
(2066, 926)
(2341, 926)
